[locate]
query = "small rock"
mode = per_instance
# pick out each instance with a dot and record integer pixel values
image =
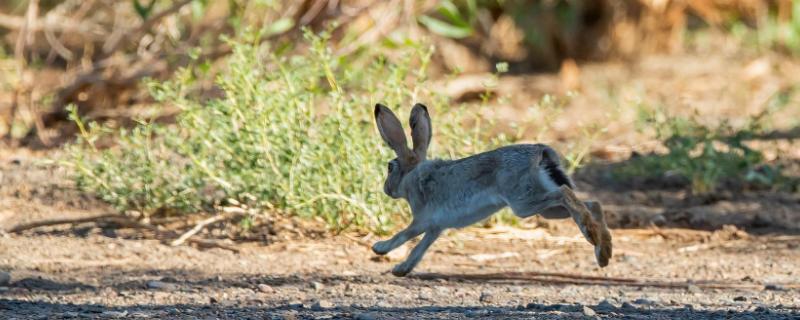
(644, 302)
(514, 289)
(588, 312)
(425, 296)
(212, 300)
(5, 278)
(487, 297)
(658, 220)
(322, 305)
(740, 298)
(317, 286)
(693, 289)
(114, 314)
(776, 287)
(627, 306)
(160, 285)
(605, 306)
(398, 254)
(533, 305)
(70, 314)
(140, 314)
(265, 288)
(476, 313)
(365, 316)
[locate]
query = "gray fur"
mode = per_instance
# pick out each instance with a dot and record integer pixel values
(446, 194)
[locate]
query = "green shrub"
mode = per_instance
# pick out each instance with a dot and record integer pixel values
(293, 134)
(771, 33)
(705, 155)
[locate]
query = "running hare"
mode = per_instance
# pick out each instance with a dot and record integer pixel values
(456, 193)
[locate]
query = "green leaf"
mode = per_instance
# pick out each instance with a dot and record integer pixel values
(445, 29)
(143, 11)
(451, 12)
(278, 27)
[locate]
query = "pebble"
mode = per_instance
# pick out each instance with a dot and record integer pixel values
(487, 297)
(5, 278)
(643, 301)
(774, 287)
(693, 289)
(398, 254)
(740, 298)
(294, 304)
(70, 314)
(589, 312)
(365, 316)
(160, 285)
(322, 305)
(514, 289)
(627, 306)
(425, 296)
(265, 288)
(476, 313)
(114, 314)
(605, 306)
(317, 286)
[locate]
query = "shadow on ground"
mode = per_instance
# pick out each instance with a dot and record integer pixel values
(118, 284)
(29, 309)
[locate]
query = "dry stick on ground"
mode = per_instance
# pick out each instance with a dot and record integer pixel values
(123, 222)
(197, 228)
(47, 223)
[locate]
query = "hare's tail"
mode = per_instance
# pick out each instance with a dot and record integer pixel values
(549, 162)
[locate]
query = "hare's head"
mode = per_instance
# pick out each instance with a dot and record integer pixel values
(393, 134)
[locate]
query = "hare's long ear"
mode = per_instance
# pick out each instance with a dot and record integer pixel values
(421, 129)
(391, 130)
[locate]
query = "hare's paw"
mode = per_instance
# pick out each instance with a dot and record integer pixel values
(381, 247)
(603, 252)
(401, 270)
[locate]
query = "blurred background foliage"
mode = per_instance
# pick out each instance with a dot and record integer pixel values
(147, 81)
(94, 53)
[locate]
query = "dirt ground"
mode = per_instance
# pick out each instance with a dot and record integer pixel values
(542, 269)
(731, 255)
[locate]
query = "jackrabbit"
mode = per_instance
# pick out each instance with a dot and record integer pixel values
(456, 193)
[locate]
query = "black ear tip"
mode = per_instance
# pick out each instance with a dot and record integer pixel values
(378, 107)
(419, 105)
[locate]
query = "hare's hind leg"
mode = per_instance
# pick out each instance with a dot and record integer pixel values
(592, 222)
(413, 259)
(410, 232)
(594, 229)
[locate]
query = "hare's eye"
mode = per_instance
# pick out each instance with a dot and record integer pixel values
(390, 167)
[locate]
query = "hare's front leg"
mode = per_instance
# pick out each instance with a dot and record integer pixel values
(410, 232)
(413, 259)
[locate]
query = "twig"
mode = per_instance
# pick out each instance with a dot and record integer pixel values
(213, 244)
(46, 223)
(202, 224)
